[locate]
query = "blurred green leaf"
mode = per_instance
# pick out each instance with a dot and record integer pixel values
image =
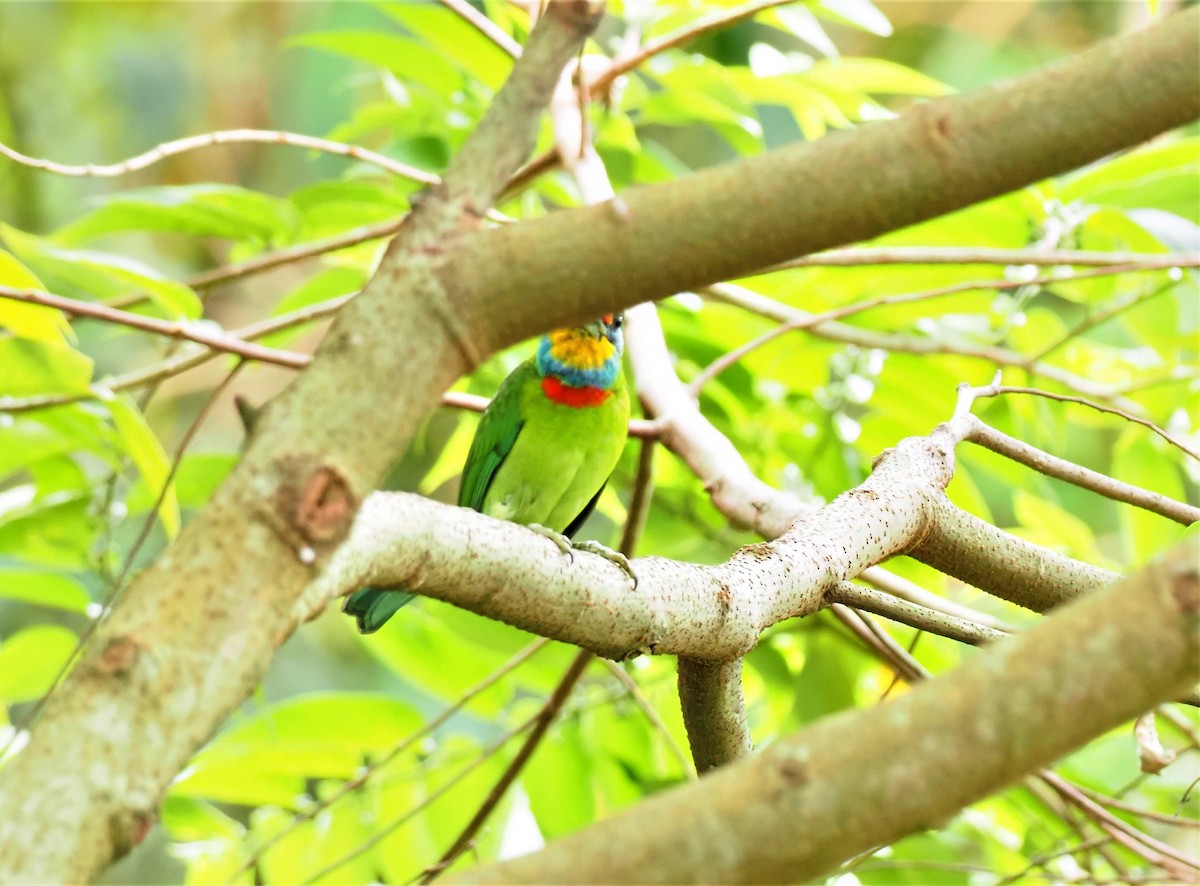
(38, 367)
(51, 589)
(206, 210)
(103, 275)
(31, 659)
(143, 448)
(35, 322)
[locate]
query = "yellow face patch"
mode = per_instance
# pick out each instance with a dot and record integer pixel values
(579, 350)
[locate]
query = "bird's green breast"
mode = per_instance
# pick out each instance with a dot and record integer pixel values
(560, 458)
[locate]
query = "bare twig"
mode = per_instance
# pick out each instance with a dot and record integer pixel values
(911, 614)
(909, 344)
(369, 771)
(197, 332)
(995, 390)
(809, 321)
(975, 255)
(484, 25)
(541, 723)
(1053, 466)
(379, 836)
(224, 137)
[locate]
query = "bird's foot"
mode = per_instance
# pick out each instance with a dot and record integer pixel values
(594, 547)
(561, 541)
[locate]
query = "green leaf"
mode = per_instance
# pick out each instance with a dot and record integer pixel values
(1161, 176)
(199, 474)
(104, 275)
(36, 322)
(38, 367)
(57, 530)
(410, 61)
(456, 40)
(327, 284)
(875, 75)
(31, 659)
(1138, 460)
(266, 758)
(148, 456)
(51, 589)
(187, 820)
(206, 210)
(560, 782)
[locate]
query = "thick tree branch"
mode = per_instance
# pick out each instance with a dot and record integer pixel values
(714, 711)
(764, 210)
(868, 777)
(962, 545)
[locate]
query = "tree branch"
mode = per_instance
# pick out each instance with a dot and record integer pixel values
(868, 777)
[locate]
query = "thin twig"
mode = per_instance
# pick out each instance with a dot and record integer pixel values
(692, 31)
(484, 25)
(809, 321)
(996, 390)
(542, 722)
(643, 703)
(377, 766)
(1115, 307)
(379, 836)
(850, 594)
(1114, 803)
(977, 255)
(908, 344)
(1155, 851)
(196, 332)
(1053, 466)
(223, 137)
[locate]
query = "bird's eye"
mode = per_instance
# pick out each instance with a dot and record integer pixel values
(614, 320)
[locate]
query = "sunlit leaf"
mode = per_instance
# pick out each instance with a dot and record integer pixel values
(29, 321)
(31, 659)
(143, 448)
(50, 589)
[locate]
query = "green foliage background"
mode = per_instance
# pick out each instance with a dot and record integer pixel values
(90, 83)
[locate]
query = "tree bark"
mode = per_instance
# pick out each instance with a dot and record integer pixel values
(868, 777)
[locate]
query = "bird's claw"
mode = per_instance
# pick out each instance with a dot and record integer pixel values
(594, 547)
(560, 541)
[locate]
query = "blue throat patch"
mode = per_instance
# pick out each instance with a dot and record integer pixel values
(603, 376)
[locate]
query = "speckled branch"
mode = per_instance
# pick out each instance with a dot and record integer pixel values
(868, 777)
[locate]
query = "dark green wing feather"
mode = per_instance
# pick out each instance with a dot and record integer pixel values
(372, 607)
(494, 438)
(570, 531)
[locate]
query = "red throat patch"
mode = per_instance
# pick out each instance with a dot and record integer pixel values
(577, 398)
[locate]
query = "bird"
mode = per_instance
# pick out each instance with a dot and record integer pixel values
(543, 450)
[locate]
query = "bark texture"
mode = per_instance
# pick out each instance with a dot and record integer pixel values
(868, 777)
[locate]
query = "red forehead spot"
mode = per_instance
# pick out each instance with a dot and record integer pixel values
(608, 319)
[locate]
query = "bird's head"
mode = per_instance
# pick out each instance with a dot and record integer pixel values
(584, 355)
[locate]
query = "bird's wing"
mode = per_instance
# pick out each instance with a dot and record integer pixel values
(581, 518)
(494, 438)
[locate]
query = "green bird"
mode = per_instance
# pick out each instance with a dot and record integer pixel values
(544, 447)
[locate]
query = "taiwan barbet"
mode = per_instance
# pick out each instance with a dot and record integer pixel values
(544, 448)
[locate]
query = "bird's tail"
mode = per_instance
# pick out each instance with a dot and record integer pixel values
(372, 607)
